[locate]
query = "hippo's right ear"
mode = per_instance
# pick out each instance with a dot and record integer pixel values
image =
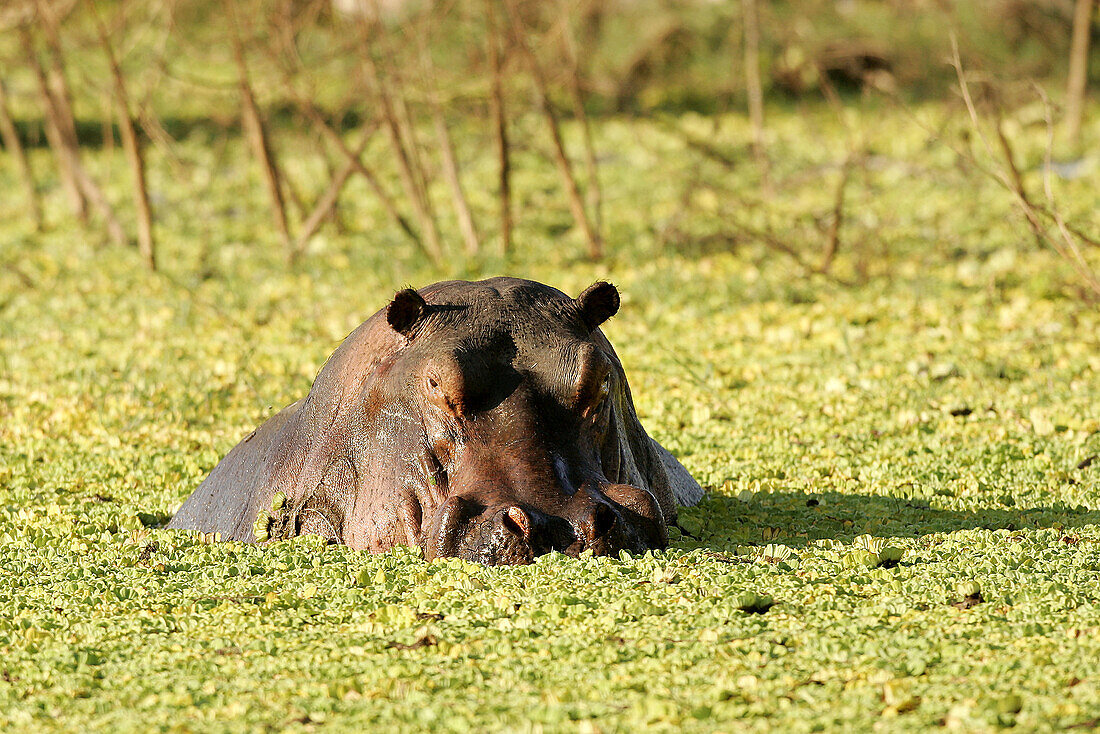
(598, 303)
(406, 311)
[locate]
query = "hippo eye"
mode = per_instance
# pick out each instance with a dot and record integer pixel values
(599, 400)
(604, 390)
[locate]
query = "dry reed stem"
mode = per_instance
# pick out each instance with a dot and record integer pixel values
(565, 168)
(1077, 79)
(14, 146)
(327, 201)
(1014, 182)
(450, 161)
(131, 143)
(413, 190)
(500, 126)
(576, 94)
(256, 132)
(54, 135)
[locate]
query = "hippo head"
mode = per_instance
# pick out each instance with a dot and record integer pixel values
(490, 421)
(517, 411)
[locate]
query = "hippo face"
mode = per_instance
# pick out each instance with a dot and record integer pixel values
(514, 398)
(490, 421)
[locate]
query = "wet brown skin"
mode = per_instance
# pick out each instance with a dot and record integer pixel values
(488, 420)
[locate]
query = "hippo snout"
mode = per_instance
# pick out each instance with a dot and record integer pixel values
(603, 519)
(499, 535)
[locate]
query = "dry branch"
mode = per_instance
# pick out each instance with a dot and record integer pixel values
(750, 13)
(99, 202)
(407, 126)
(131, 143)
(774, 242)
(14, 146)
(565, 168)
(500, 126)
(394, 126)
(78, 183)
(49, 14)
(305, 105)
(1071, 250)
(832, 240)
(968, 156)
(1077, 78)
(327, 201)
(450, 161)
(1012, 180)
(54, 135)
(321, 125)
(257, 134)
(699, 145)
(576, 94)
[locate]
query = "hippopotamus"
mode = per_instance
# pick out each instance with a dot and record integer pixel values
(488, 420)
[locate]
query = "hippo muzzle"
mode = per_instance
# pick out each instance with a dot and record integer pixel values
(602, 520)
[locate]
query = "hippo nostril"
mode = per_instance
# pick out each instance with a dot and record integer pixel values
(603, 520)
(640, 513)
(516, 521)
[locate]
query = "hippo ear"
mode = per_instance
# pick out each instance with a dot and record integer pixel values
(406, 311)
(598, 303)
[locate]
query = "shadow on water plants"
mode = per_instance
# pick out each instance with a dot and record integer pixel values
(797, 519)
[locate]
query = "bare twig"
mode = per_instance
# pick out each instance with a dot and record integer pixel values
(306, 106)
(450, 161)
(50, 15)
(54, 135)
(750, 14)
(771, 240)
(322, 126)
(256, 132)
(107, 125)
(327, 200)
(414, 191)
(500, 126)
(407, 124)
(576, 93)
(10, 136)
(832, 240)
(700, 145)
(1015, 184)
(565, 168)
(99, 202)
(82, 188)
(937, 135)
(1078, 69)
(131, 143)
(1069, 250)
(1013, 181)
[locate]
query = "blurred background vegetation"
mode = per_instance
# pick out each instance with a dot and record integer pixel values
(457, 122)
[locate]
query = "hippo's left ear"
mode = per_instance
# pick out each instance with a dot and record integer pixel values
(406, 310)
(598, 303)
